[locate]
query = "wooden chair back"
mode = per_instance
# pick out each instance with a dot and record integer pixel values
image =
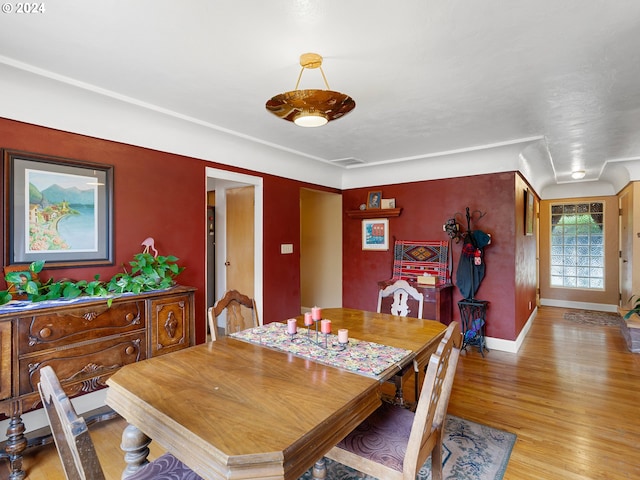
(402, 292)
(70, 432)
(241, 311)
(431, 412)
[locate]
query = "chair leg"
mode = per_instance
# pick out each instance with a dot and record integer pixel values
(436, 460)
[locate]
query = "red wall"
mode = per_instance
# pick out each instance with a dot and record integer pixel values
(426, 206)
(163, 196)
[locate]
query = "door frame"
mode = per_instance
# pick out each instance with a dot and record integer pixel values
(234, 179)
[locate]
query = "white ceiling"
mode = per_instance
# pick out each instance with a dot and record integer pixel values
(559, 79)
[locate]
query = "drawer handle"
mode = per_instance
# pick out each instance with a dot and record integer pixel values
(171, 325)
(45, 332)
(129, 317)
(129, 350)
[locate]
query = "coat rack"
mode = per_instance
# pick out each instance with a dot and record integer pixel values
(472, 311)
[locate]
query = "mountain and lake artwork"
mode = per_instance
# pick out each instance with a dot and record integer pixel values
(62, 212)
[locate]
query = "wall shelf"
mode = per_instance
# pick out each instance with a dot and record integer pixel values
(375, 213)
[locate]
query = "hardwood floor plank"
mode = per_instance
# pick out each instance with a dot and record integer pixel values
(571, 394)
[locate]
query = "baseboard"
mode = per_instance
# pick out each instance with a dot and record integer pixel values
(512, 346)
(599, 307)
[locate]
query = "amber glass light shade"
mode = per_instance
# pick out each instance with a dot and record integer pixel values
(310, 108)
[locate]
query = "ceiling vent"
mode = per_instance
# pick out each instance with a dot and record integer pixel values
(347, 162)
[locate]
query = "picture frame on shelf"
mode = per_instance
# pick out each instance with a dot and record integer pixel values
(375, 234)
(374, 200)
(59, 210)
(387, 203)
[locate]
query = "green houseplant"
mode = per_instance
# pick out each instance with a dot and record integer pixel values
(147, 273)
(636, 307)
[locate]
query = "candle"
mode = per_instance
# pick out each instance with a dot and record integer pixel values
(292, 326)
(325, 326)
(316, 313)
(343, 335)
(307, 319)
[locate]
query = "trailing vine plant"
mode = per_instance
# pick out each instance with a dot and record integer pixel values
(147, 273)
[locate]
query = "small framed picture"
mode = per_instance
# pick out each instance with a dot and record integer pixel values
(373, 200)
(388, 203)
(375, 234)
(529, 202)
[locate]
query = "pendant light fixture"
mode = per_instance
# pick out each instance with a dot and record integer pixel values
(310, 108)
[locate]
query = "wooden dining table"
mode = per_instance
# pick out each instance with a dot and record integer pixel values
(236, 409)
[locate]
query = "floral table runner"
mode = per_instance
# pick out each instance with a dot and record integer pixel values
(364, 358)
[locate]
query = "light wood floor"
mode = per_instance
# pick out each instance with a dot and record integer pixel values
(572, 396)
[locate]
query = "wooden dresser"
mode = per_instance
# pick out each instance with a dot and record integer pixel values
(84, 342)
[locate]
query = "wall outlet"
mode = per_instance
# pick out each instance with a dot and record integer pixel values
(286, 248)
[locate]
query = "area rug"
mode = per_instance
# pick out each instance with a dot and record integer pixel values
(471, 451)
(593, 318)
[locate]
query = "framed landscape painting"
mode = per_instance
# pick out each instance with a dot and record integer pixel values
(58, 210)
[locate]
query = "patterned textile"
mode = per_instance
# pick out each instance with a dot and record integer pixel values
(413, 258)
(365, 358)
(383, 437)
(471, 451)
(166, 467)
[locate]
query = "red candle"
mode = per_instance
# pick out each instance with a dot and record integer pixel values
(307, 319)
(316, 313)
(292, 326)
(325, 326)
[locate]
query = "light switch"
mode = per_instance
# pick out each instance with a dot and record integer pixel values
(286, 248)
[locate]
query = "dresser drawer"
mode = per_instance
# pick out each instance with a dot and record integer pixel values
(65, 326)
(84, 368)
(429, 294)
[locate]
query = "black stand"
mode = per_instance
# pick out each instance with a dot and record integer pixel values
(471, 310)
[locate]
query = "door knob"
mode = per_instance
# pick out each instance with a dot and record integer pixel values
(227, 263)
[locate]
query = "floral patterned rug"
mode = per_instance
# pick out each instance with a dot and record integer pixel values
(471, 452)
(594, 318)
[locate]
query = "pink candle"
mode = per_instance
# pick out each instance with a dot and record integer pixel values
(292, 326)
(325, 326)
(343, 335)
(307, 319)
(316, 313)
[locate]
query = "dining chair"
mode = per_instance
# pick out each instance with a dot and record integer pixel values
(75, 447)
(402, 292)
(241, 312)
(393, 443)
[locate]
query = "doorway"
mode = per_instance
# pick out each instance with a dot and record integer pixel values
(320, 249)
(222, 182)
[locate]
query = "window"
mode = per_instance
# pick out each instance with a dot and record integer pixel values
(577, 245)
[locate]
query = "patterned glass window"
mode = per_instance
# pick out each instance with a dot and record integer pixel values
(577, 245)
